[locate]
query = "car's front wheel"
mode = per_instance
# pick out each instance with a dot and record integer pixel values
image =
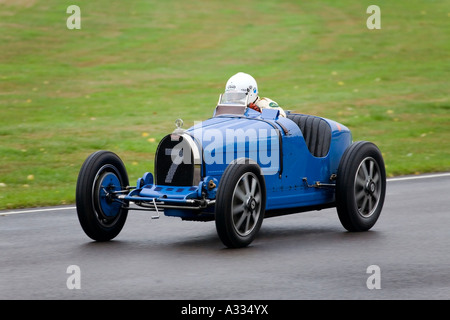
(101, 177)
(240, 204)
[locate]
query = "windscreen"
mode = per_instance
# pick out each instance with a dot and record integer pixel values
(234, 97)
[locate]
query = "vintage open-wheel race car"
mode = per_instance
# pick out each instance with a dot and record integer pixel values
(237, 168)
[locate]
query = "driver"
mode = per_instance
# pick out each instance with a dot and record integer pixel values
(240, 86)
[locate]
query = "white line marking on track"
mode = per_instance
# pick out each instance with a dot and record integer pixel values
(425, 176)
(35, 210)
(405, 178)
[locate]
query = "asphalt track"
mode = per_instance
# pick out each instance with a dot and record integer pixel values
(301, 256)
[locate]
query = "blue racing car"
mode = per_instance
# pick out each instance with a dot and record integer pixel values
(237, 168)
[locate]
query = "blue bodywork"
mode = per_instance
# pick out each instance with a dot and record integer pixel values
(294, 177)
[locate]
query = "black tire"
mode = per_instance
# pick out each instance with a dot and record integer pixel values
(101, 217)
(360, 186)
(240, 204)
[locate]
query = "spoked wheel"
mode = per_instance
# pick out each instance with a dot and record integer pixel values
(102, 177)
(360, 186)
(367, 187)
(240, 204)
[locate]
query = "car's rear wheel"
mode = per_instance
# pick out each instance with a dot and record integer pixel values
(101, 177)
(240, 204)
(360, 186)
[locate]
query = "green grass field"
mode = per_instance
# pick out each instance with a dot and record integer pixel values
(120, 82)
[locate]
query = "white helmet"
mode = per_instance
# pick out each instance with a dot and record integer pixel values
(240, 86)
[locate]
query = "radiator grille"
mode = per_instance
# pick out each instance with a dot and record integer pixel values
(174, 162)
